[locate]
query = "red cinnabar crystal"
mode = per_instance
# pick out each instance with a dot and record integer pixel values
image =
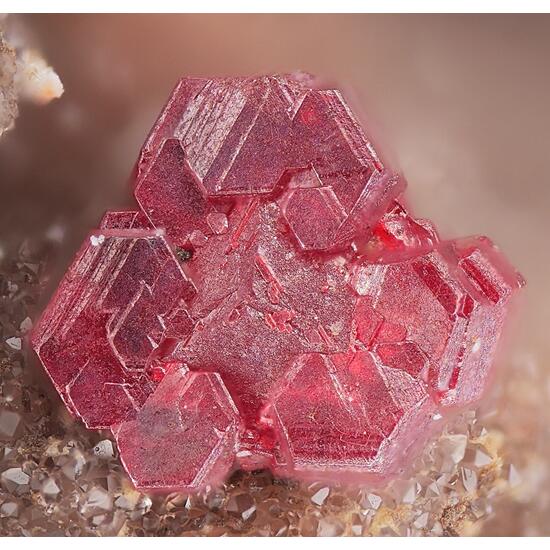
(271, 303)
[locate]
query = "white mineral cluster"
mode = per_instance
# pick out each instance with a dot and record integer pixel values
(24, 76)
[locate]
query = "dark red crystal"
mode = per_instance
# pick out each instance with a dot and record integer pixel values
(271, 303)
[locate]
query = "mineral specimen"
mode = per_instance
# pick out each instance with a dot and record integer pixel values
(271, 303)
(24, 75)
(77, 485)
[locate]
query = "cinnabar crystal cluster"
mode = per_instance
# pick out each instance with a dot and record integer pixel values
(270, 303)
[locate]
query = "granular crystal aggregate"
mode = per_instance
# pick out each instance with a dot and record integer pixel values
(271, 303)
(58, 478)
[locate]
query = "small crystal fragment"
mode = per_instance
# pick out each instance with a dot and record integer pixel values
(469, 479)
(96, 500)
(9, 510)
(481, 459)
(320, 496)
(50, 488)
(374, 501)
(242, 505)
(421, 521)
(454, 446)
(74, 465)
(26, 325)
(10, 423)
(218, 223)
(15, 481)
(14, 343)
(104, 449)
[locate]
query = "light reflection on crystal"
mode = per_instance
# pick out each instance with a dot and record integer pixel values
(320, 496)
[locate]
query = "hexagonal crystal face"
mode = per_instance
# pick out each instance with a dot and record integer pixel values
(110, 313)
(184, 436)
(270, 303)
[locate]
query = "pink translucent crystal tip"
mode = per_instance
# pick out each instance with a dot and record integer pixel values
(270, 302)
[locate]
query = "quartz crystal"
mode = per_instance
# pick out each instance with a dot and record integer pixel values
(271, 302)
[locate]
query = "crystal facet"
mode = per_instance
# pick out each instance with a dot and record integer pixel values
(185, 434)
(270, 302)
(109, 314)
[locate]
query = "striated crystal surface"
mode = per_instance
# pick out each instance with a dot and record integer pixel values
(112, 309)
(96, 497)
(270, 303)
(185, 434)
(259, 136)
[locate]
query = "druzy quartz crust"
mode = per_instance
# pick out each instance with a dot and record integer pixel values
(271, 302)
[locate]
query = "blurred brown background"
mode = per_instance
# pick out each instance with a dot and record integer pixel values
(458, 103)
